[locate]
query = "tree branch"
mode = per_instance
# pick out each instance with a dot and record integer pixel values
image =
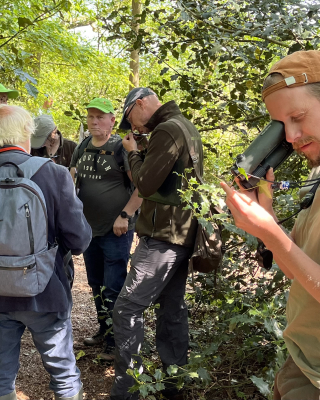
(38, 19)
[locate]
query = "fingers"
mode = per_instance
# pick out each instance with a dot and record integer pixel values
(270, 174)
(226, 188)
(236, 196)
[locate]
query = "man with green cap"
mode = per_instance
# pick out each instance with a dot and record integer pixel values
(47, 141)
(104, 185)
(6, 94)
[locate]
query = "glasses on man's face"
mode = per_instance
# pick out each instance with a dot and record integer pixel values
(127, 116)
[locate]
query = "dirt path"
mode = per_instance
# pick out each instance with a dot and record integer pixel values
(33, 381)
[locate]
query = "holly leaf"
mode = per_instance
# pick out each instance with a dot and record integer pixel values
(172, 369)
(263, 188)
(203, 374)
(158, 375)
(261, 385)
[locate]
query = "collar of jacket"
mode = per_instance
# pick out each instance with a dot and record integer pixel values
(165, 112)
(61, 139)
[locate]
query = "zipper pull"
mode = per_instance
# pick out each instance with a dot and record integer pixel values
(27, 210)
(25, 271)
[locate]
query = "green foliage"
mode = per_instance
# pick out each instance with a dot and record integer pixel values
(211, 58)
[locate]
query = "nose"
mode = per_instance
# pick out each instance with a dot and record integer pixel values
(293, 133)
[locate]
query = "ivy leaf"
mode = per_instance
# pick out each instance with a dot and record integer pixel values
(263, 188)
(243, 172)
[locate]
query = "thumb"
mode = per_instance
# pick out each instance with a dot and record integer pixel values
(270, 174)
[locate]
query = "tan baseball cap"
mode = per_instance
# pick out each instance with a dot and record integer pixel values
(297, 69)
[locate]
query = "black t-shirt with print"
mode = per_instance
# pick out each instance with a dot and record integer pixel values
(103, 192)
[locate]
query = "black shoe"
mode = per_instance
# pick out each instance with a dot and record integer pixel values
(108, 354)
(94, 340)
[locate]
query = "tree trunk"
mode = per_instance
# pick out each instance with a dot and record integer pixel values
(134, 55)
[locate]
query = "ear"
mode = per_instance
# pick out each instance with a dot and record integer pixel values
(140, 103)
(113, 120)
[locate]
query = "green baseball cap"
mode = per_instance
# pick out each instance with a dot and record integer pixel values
(103, 105)
(12, 94)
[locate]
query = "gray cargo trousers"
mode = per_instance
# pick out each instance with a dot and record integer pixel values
(158, 275)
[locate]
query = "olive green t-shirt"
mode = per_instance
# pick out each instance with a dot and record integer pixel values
(302, 334)
(103, 192)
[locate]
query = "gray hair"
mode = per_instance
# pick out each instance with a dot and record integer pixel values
(16, 125)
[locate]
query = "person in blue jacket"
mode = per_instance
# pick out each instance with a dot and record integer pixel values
(46, 315)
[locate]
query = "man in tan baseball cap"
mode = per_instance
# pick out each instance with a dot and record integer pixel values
(291, 92)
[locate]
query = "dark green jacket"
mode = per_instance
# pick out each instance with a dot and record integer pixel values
(167, 144)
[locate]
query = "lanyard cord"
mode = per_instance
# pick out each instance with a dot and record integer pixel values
(12, 148)
(305, 203)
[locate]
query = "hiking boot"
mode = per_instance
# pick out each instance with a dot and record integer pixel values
(94, 340)
(78, 396)
(108, 354)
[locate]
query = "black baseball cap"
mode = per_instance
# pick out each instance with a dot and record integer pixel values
(135, 94)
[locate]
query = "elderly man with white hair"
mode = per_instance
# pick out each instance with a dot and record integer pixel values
(46, 311)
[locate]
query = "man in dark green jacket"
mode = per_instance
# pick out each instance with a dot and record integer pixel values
(159, 266)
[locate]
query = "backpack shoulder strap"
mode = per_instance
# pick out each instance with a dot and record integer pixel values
(192, 152)
(83, 145)
(117, 154)
(32, 166)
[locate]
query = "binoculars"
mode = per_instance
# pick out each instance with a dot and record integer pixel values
(269, 149)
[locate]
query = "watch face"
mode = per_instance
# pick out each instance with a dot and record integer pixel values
(123, 214)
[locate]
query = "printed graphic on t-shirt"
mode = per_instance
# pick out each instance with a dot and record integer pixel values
(103, 192)
(86, 165)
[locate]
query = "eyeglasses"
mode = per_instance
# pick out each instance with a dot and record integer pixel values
(127, 116)
(139, 98)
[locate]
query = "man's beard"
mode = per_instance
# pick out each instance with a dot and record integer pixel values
(297, 145)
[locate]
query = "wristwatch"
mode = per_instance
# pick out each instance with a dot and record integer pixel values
(124, 214)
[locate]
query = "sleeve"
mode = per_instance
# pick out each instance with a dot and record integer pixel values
(125, 159)
(73, 228)
(75, 157)
(149, 175)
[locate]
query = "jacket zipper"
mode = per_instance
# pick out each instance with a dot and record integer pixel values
(154, 221)
(35, 193)
(31, 237)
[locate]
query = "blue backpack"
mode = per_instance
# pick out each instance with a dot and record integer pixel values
(26, 258)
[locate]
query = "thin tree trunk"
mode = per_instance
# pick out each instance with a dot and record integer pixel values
(134, 56)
